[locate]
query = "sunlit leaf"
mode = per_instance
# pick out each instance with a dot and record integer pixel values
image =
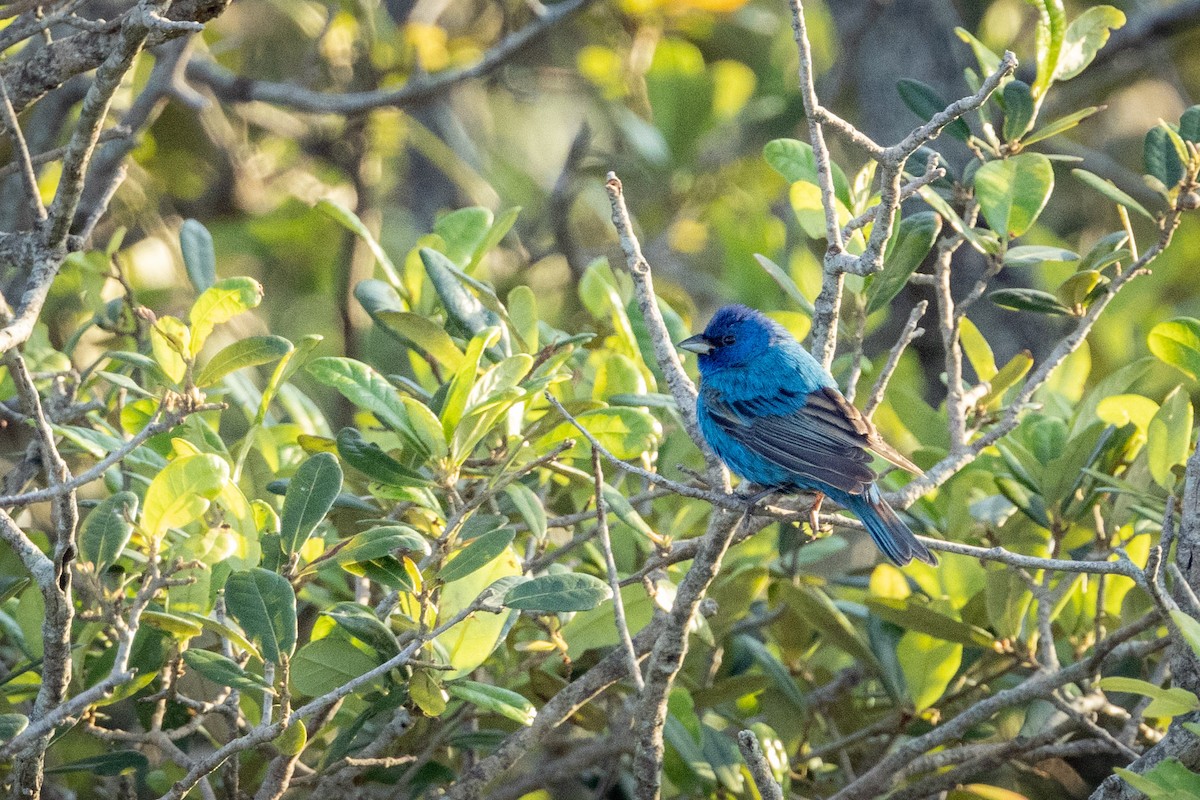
(1012, 192)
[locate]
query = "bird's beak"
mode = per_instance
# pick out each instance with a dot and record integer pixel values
(696, 344)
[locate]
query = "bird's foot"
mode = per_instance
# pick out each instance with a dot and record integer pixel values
(815, 512)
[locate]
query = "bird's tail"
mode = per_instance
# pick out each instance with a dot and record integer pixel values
(890, 533)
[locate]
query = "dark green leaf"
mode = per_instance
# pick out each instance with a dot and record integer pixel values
(1161, 158)
(1028, 300)
(118, 762)
(924, 101)
(478, 553)
(912, 241)
(361, 623)
(551, 593)
(1018, 109)
(380, 542)
(370, 459)
(310, 495)
(223, 671)
(107, 530)
(264, 605)
(780, 676)
(1189, 125)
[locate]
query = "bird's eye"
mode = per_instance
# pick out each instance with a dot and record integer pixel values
(727, 340)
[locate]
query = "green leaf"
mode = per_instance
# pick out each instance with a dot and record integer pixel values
(913, 239)
(383, 541)
(251, 352)
(1168, 439)
(924, 101)
(361, 623)
(1190, 628)
(1164, 702)
(469, 643)
(220, 303)
(199, 257)
(350, 221)
(1177, 342)
(1018, 109)
(624, 432)
(1013, 192)
(989, 62)
(1161, 158)
(169, 339)
(529, 507)
(977, 350)
(773, 668)
(467, 314)
(370, 459)
(11, 725)
(1189, 125)
(493, 237)
(181, 493)
(914, 616)
(364, 387)
(223, 671)
(1051, 30)
(478, 553)
(107, 530)
(322, 666)
(785, 282)
(382, 304)
(1086, 34)
(463, 231)
(117, 762)
(929, 664)
(264, 605)
(1030, 255)
(1033, 300)
(427, 692)
(523, 311)
(1076, 290)
(1061, 125)
(1110, 190)
(814, 606)
(310, 495)
(495, 699)
(794, 160)
(561, 592)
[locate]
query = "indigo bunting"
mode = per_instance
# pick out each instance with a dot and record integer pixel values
(774, 415)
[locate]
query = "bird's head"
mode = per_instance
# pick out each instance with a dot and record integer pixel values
(735, 336)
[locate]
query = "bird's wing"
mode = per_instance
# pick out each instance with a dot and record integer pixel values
(818, 446)
(825, 441)
(832, 403)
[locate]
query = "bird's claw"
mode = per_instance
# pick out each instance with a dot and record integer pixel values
(814, 513)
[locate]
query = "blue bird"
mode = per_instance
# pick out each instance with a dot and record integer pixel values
(773, 414)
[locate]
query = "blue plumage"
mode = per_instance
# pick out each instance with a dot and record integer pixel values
(776, 418)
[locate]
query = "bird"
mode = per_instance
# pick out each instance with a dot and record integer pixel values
(775, 417)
